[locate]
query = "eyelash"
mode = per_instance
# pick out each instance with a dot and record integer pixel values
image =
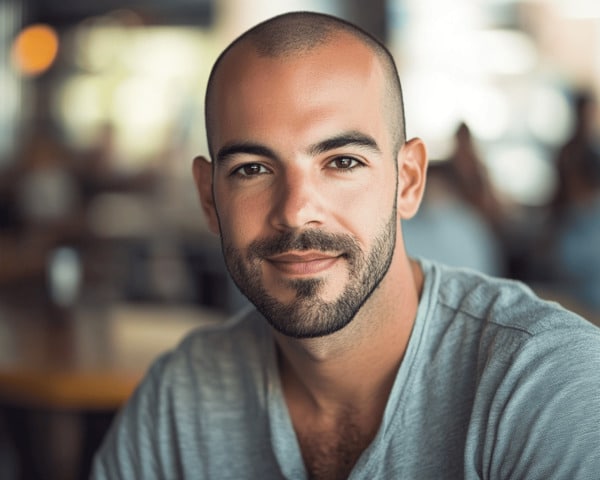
(238, 171)
(353, 164)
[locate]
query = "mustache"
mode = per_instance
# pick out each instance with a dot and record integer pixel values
(306, 240)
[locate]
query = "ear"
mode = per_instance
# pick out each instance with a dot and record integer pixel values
(412, 170)
(202, 170)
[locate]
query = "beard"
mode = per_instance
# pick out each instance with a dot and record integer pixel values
(308, 315)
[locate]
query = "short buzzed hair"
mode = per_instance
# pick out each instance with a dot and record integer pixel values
(296, 33)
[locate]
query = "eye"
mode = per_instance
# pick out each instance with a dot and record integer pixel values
(250, 170)
(345, 163)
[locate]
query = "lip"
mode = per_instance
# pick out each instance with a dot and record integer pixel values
(299, 264)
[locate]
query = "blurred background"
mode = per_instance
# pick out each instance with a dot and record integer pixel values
(105, 259)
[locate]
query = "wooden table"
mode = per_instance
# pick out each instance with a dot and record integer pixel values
(88, 362)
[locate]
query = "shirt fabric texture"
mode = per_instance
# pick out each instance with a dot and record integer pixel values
(495, 384)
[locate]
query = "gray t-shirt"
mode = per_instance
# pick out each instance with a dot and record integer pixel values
(494, 384)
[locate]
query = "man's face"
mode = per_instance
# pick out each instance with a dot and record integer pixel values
(305, 183)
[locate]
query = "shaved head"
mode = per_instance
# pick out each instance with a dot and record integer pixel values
(293, 35)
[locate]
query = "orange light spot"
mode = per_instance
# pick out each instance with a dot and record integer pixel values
(35, 49)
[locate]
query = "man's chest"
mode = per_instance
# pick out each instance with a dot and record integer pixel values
(331, 453)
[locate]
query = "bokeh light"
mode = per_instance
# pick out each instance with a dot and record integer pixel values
(34, 49)
(521, 172)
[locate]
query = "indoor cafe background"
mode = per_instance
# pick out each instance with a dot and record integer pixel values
(101, 113)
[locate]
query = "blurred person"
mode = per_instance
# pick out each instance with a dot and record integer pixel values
(470, 175)
(582, 145)
(565, 259)
(577, 235)
(357, 361)
(576, 213)
(451, 230)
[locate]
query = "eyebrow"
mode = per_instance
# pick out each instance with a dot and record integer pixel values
(352, 138)
(247, 148)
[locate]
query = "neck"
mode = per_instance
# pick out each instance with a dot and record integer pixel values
(355, 367)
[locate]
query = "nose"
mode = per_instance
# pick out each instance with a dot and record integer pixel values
(297, 202)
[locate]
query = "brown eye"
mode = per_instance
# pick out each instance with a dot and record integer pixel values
(250, 169)
(344, 163)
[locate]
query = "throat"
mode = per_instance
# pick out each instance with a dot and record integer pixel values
(334, 420)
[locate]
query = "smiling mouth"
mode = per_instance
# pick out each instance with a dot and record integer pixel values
(300, 264)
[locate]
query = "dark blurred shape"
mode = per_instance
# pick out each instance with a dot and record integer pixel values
(565, 257)
(578, 156)
(46, 190)
(576, 208)
(174, 12)
(450, 229)
(373, 19)
(461, 221)
(468, 172)
(41, 211)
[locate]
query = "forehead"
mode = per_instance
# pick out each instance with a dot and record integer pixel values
(341, 81)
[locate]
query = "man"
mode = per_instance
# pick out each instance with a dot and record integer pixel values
(358, 362)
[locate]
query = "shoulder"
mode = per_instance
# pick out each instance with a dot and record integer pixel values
(246, 330)
(226, 350)
(506, 324)
(504, 305)
(213, 380)
(536, 407)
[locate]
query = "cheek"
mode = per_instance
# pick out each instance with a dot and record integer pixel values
(365, 209)
(241, 219)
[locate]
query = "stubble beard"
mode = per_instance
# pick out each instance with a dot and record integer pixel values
(308, 315)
